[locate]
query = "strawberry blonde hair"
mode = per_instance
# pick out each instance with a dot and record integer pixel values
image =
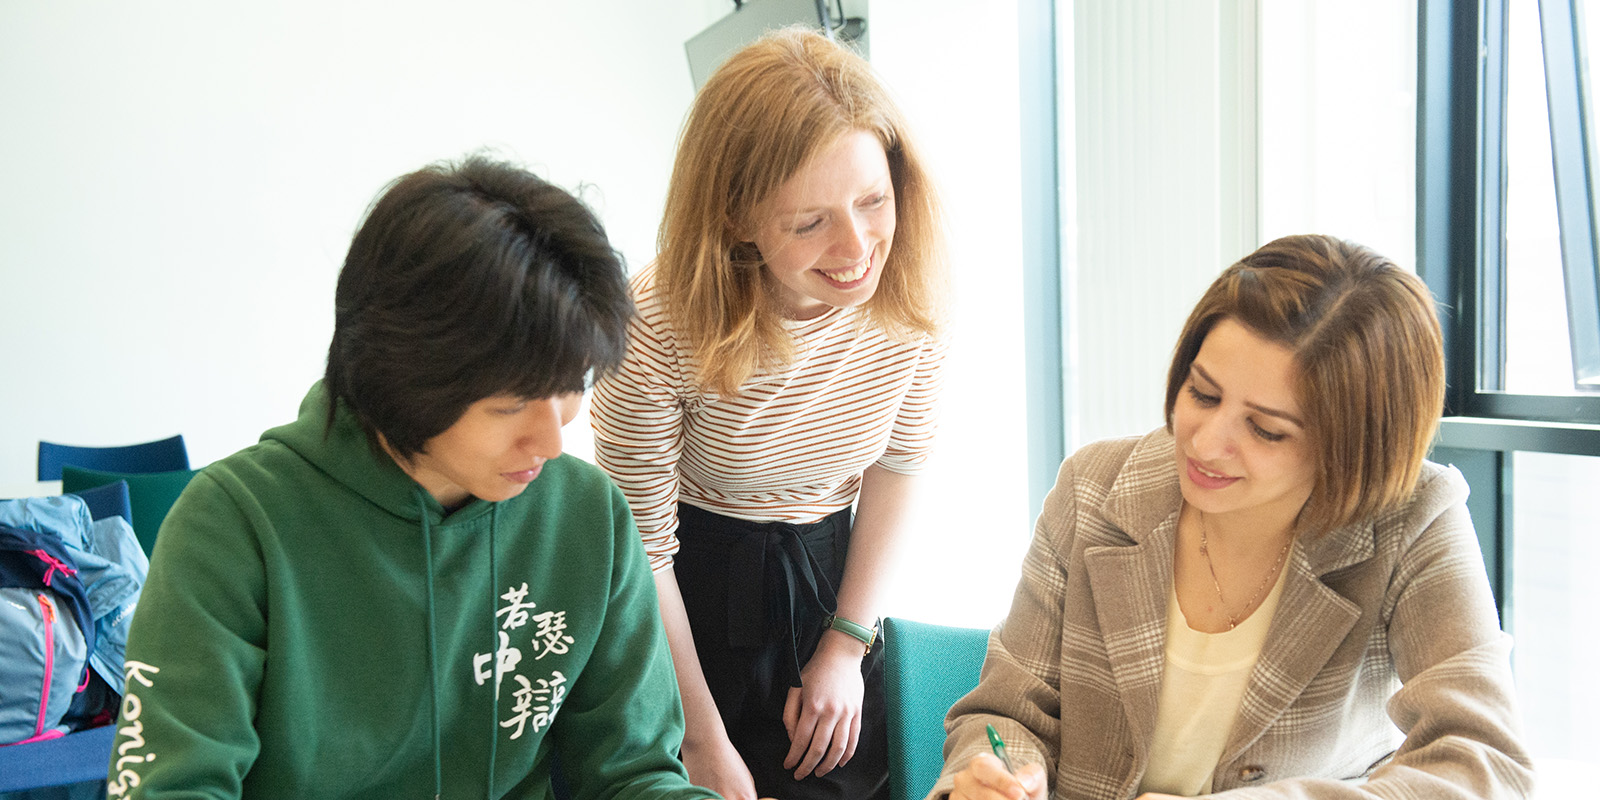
(761, 117)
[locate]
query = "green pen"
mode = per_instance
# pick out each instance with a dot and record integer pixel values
(999, 747)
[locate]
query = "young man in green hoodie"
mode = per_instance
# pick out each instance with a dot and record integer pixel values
(409, 591)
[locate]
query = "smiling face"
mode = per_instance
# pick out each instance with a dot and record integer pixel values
(497, 447)
(825, 233)
(1242, 448)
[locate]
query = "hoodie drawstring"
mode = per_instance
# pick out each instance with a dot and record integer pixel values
(494, 645)
(433, 657)
(433, 663)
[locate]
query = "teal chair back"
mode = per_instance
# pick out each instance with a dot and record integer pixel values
(150, 495)
(927, 668)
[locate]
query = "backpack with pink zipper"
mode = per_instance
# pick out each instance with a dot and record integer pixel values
(46, 635)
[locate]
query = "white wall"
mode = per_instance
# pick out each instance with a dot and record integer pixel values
(182, 177)
(954, 70)
(1165, 198)
(1204, 129)
(1338, 122)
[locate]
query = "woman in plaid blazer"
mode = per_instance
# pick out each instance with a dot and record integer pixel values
(1273, 596)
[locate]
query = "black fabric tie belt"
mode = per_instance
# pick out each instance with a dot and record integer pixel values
(777, 590)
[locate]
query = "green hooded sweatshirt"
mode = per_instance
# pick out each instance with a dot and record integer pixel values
(315, 625)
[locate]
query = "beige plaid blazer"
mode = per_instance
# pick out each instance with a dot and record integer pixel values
(1384, 674)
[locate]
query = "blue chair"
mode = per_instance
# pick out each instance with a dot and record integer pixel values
(165, 455)
(927, 668)
(82, 757)
(150, 494)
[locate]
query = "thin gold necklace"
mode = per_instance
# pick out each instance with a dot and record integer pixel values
(1205, 550)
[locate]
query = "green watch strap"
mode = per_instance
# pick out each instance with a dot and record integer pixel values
(855, 630)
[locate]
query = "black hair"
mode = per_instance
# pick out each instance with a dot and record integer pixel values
(465, 281)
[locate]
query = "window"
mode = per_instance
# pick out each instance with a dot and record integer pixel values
(1507, 239)
(1573, 145)
(1551, 320)
(1553, 584)
(1538, 353)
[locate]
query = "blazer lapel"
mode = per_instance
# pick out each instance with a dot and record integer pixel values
(1311, 622)
(1129, 582)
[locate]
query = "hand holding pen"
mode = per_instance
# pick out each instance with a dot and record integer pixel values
(994, 777)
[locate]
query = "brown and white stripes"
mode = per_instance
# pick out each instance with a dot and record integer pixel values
(790, 445)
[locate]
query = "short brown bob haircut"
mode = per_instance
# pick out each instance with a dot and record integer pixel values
(767, 111)
(1365, 338)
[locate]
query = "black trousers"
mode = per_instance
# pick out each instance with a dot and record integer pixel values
(757, 595)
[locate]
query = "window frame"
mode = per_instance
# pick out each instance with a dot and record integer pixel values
(1044, 382)
(1461, 151)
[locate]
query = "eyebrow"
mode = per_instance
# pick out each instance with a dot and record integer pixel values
(884, 185)
(1269, 411)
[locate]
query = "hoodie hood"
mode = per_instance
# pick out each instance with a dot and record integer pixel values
(344, 453)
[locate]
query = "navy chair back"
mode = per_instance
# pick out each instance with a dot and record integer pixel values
(164, 455)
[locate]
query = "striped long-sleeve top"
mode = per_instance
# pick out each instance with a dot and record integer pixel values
(790, 445)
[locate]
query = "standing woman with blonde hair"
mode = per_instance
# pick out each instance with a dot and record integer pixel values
(785, 365)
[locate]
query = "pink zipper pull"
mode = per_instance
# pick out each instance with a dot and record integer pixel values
(55, 565)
